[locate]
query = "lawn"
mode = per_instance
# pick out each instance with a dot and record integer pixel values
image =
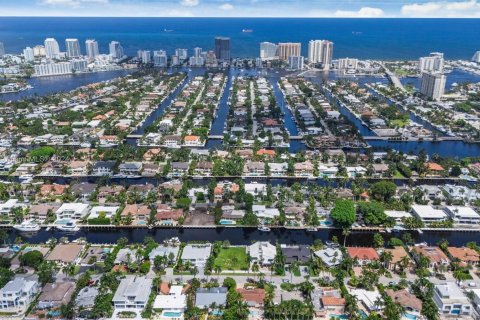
(233, 258)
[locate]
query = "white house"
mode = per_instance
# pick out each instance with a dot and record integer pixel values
(72, 211)
(132, 293)
(428, 214)
(108, 212)
(197, 254)
(263, 212)
(370, 299)
(17, 294)
(463, 215)
(330, 256)
(262, 252)
(451, 300)
(174, 301)
(397, 215)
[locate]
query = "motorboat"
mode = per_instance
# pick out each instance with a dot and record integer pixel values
(312, 229)
(264, 229)
(68, 227)
(27, 226)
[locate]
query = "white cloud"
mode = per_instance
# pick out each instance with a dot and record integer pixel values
(443, 9)
(190, 3)
(70, 3)
(365, 12)
(226, 6)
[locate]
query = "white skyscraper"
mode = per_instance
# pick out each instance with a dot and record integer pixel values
(160, 58)
(476, 57)
(52, 50)
(268, 50)
(146, 56)
(433, 85)
(295, 62)
(2, 49)
(73, 48)
(28, 54)
(287, 49)
(91, 46)
(197, 52)
(434, 63)
(320, 51)
(347, 64)
(116, 50)
(39, 51)
(182, 54)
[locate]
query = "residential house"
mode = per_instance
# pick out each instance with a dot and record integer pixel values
(132, 293)
(75, 211)
(164, 251)
(435, 256)
(303, 169)
(179, 169)
(65, 253)
(205, 297)
(362, 255)
(406, 299)
(130, 168)
(55, 294)
(464, 255)
(175, 300)
(204, 168)
(262, 252)
(253, 168)
(253, 297)
(18, 293)
(139, 213)
(428, 214)
(451, 300)
(197, 254)
(103, 168)
(295, 253)
(463, 215)
(330, 256)
(78, 168)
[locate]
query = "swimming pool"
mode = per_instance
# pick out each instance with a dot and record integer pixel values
(172, 314)
(226, 222)
(410, 316)
(338, 316)
(326, 223)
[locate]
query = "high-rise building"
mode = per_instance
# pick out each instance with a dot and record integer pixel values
(182, 54)
(295, 62)
(320, 51)
(116, 50)
(197, 52)
(288, 49)
(91, 46)
(160, 58)
(433, 63)
(433, 85)
(79, 65)
(222, 48)
(39, 51)
(28, 54)
(53, 68)
(175, 60)
(145, 55)
(476, 57)
(73, 48)
(211, 59)
(268, 50)
(2, 49)
(52, 50)
(347, 64)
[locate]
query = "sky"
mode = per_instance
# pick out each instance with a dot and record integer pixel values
(244, 8)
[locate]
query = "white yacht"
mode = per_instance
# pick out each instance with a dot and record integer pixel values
(68, 227)
(264, 228)
(27, 226)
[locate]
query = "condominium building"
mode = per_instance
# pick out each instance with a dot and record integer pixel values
(288, 49)
(52, 68)
(182, 54)
(28, 54)
(222, 48)
(320, 51)
(145, 56)
(116, 50)
(433, 63)
(2, 49)
(295, 62)
(91, 46)
(347, 64)
(476, 57)
(39, 51)
(268, 50)
(73, 48)
(433, 85)
(160, 58)
(52, 50)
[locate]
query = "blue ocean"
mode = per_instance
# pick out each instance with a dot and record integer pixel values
(362, 38)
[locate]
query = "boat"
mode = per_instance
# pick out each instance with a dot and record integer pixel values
(264, 229)
(312, 229)
(26, 177)
(247, 30)
(27, 226)
(68, 227)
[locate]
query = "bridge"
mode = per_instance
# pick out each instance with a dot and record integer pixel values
(134, 136)
(393, 78)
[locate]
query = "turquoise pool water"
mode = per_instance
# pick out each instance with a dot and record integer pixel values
(336, 316)
(410, 316)
(226, 222)
(171, 314)
(326, 223)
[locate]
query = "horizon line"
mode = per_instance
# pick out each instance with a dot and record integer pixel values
(244, 17)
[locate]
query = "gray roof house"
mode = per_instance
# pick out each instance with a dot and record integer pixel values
(124, 255)
(103, 168)
(132, 293)
(204, 297)
(18, 293)
(86, 297)
(296, 253)
(164, 251)
(197, 254)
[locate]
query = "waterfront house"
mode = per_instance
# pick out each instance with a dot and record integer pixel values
(262, 212)
(132, 293)
(362, 255)
(54, 295)
(55, 190)
(78, 168)
(295, 253)
(7, 207)
(151, 169)
(303, 169)
(83, 190)
(451, 300)
(125, 256)
(40, 211)
(434, 169)
(86, 298)
(130, 168)
(464, 255)
(103, 168)
(435, 256)
(369, 299)
(141, 189)
(65, 253)
(152, 154)
(204, 168)
(330, 256)
(428, 213)
(106, 212)
(108, 193)
(17, 294)
(262, 252)
(197, 254)
(166, 215)
(179, 169)
(192, 141)
(205, 297)
(73, 210)
(278, 169)
(172, 141)
(254, 168)
(463, 215)
(266, 153)
(139, 213)
(399, 256)
(164, 251)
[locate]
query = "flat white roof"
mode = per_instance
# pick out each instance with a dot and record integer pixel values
(174, 300)
(465, 212)
(397, 214)
(428, 212)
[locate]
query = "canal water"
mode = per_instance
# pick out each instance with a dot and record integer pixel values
(239, 235)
